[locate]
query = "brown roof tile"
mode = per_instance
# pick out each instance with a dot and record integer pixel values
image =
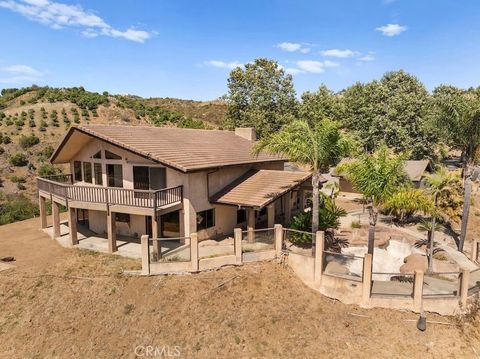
(258, 188)
(183, 149)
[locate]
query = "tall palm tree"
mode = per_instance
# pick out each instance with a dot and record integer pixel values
(317, 146)
(439, 183)
(459, 118)
(377, 176)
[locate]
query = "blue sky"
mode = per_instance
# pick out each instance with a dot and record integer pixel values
(186, 49)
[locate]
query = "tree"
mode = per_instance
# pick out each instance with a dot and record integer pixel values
(317, 146)
(260, 95)
(394, 110)
(439, 183)
(18, 160)
(377, 176)
(405, 203)
(323, 103)
(458, 116)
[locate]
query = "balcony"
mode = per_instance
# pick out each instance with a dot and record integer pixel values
(62, 190)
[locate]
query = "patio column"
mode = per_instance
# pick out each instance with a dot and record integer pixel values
(72, 225)
(56, 219)
(181, 222)
(418, 290)
(43, 211)
(157, 247)
(270, 215)
(250, 225)
(111, 232)
(288, 207)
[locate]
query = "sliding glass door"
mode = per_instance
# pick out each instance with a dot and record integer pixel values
(114, 175)
(147, 178)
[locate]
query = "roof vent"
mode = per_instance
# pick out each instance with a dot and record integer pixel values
(248, 133)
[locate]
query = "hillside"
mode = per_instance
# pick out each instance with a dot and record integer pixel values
(32, 121)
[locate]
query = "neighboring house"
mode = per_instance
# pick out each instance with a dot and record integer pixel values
(168, 182)
(415, 170)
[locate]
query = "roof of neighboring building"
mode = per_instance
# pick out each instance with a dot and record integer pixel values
(183, 149)
(415, 169)
(258, 188)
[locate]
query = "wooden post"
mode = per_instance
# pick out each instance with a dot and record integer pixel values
(288, 207)
(319, 243)
(194, 251)
(367, 278)
(72, 225)
(112, 232)
(474, 257)
(278, 239)
(145, 255)
(56, 219)
(250, 225)
(301, 194)
(464, 279)
(271, 215)
(43, 211)
(157, 245)
(237, 238)
(418, 290)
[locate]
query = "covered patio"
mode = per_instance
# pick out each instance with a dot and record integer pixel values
(267, 196)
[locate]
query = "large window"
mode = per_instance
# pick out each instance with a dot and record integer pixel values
(112, 156)
(87, 172)
(149, 178)
(205, 219)
(97, 172)
(114, 175)
(77, 171)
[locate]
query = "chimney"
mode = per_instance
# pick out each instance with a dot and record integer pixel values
(248, 133)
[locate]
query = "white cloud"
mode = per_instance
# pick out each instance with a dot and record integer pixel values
(339, 53)
(293, 47)
(19, 74)
(223, 64)
(58, 15)
(367, 58)
(391, 29)
(311, 66)
(293, 71)
(328, 63)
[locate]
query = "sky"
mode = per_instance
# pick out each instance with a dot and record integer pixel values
(186, 49)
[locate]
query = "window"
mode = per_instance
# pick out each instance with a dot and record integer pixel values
(205, 219)
(97, 172)
(241, 216)
(97, 155)
(149, 178)
(87, 172)
(77, 170)
(122, 217)
(114, 175)
(112, 156)
(141, 178)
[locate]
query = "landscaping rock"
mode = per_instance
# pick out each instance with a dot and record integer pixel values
(414, 262)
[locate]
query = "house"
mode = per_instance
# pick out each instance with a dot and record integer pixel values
(415, 170)
(168, 182)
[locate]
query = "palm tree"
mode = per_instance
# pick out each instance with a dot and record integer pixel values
(459, 118)
(377, 176)
(317, 146)
(440, 183)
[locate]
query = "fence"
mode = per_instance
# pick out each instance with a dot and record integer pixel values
(167, 250)
(392, 284)
(474, 282)
(258, 240)
(298, 242)
(343, 265)
(441, 284)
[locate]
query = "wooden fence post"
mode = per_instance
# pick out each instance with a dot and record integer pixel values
(367, 278)
(465, 277)
(318, 266)
(145, 255)
(237, 237)
(475, 250)
(418, 290)
(194, 251)
(278, 232)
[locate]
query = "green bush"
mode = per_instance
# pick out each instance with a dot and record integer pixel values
(28, 141)
(16, 208)
(31, 113)
(18, 159)
(21, 186)
(9, 122)
(2, 150)
(48, 170)
(45, 153)
(6, 140)
(31, 123)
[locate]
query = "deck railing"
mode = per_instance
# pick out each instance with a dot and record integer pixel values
(61, 186)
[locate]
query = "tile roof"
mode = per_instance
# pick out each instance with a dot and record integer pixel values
(258, 188)
(183, 149)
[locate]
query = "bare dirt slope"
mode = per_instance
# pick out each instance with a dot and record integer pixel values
(67, 303)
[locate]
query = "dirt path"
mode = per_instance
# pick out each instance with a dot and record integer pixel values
(68, 303)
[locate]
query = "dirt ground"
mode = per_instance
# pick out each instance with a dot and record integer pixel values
(63, 303)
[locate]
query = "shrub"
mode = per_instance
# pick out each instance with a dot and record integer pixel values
(45, 153)
(31, 113)
(22, 102)
(18, 179)
(48, 170)
(9, 122)
(6, 140)
(21, 186)
(356, 224)
(18, 159)
(28, 141)
(16, 208)
(31, 123)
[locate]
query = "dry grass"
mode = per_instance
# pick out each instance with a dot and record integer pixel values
(78, 304)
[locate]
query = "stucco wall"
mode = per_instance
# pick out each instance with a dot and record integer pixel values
(98, 223)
